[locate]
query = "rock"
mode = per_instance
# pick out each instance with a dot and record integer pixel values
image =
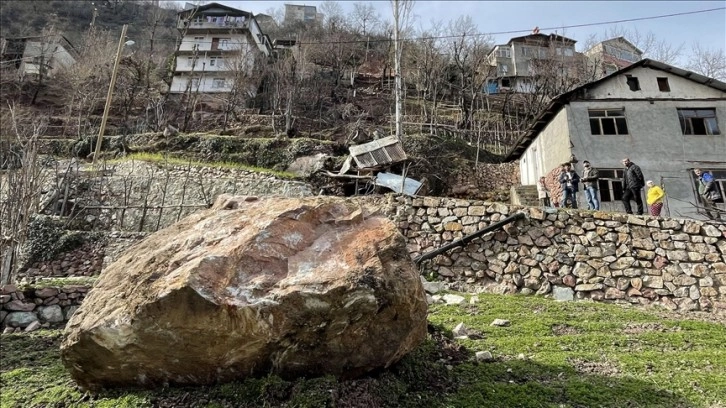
(69, 311)
(9, 330)
(46, 292)
(307, 165)
(500, 323)
(19, 306)
(484, 356)
(451, 299)
(460, 331)
(33, 326)
(50, 314)
(569, 280)
(303, 286)
(563, 294)
(20, 319)
(432, 287)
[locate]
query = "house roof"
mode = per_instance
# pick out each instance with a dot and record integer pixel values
(561, 100)
(209, 6)
(622, 39)
(542, 37)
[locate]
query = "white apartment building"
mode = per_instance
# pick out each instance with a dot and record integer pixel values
(217, 40)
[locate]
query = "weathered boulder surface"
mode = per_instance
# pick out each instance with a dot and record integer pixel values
(307, 286)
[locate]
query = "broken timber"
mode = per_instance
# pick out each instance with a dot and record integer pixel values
(467, 238)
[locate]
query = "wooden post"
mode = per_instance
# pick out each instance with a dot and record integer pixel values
(110, 94)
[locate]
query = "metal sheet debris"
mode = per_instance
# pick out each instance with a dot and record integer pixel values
(397, 183)
(379, 152)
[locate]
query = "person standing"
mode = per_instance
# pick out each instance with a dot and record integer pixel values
(708, 192)
(654, 198)
(543, 193)
(632, 183)
(569, 181)
(589, 181)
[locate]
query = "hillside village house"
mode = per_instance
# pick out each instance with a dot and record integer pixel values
(665, 119)
(216, 40)
(39, 55)
(516, 61)
(611, 55)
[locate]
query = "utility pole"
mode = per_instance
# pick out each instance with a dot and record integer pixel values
(110, 94)
(397, 65)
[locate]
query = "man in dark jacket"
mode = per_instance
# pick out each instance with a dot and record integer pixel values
(708, 192)
(633, 182)
(569, 181)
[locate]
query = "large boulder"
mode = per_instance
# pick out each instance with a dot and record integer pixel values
(309, 286)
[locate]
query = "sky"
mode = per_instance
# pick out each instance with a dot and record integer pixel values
(708, 29)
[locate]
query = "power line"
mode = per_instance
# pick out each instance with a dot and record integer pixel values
(530, 30)
(458, 36)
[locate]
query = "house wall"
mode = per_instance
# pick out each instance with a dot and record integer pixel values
(680, 87)
(236, 41)
(655, 142)
(550, 149)
(206, 83)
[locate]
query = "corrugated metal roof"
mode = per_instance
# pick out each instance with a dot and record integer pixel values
(396, 182)
(378, 152)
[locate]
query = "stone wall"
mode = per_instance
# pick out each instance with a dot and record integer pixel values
(614, 257)
(30, 309)
(141, 196)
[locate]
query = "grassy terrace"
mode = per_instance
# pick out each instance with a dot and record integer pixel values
(552, 355)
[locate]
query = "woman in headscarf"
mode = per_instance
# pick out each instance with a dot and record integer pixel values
(654, 198)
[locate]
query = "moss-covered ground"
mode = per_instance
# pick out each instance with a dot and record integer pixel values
(552, 355)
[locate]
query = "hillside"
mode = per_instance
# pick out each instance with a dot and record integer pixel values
(72, 18)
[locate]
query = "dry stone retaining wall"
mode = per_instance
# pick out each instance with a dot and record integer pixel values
(615, 257)
(31, 309)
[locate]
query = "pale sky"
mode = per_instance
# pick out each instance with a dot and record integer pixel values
(708, 29)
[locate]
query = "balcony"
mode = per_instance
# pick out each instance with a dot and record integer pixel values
(220, 24)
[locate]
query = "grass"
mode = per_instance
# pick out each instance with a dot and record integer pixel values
(63, 281)
(177, 161)
(553, 354)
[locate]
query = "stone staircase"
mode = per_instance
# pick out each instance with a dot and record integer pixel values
(524, 195)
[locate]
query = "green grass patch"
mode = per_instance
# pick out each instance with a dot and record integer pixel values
(59, 282)
(570, 354)
(161, 159)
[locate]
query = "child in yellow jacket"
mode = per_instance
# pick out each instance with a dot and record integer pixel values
(654, 198)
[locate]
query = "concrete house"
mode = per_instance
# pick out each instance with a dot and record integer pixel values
(39, 55)
(665, 119)
(611, 55)
(517, 61)
(216, 41)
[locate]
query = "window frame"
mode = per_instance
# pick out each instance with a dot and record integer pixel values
(610, 185)
(663, 84)
(215, 83)
(686, 122)
(608, 113)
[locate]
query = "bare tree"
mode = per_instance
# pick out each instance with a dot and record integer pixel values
(652, 47)
(21, 187)
(364, 17)
(427, 64)
(245, 70)
(469, 52)
(708, 62)
(401, 21)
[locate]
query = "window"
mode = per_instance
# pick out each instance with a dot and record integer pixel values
(611, 189)
(569, 52)
(527, 52)
(191, 62)
(633, 83)
(608, 122)
(216, 61)
(197, 21)
(503, 69)
(224, 43)
(698, 121)
(218, 83)
(194, 83)
(663, 85)
(505, 52)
